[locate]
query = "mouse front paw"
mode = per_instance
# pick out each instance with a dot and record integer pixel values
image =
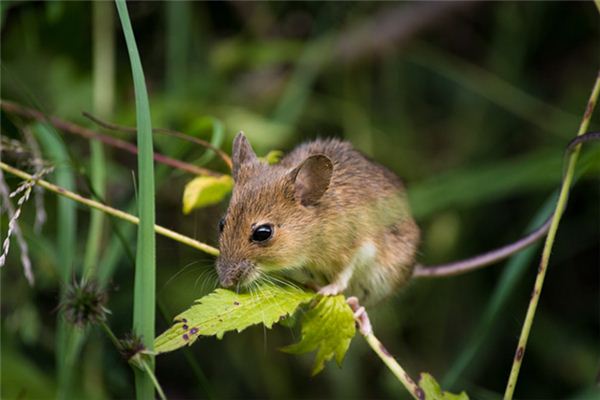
(332, 289)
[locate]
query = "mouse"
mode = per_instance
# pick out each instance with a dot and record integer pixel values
(325, 216)
(328, 217)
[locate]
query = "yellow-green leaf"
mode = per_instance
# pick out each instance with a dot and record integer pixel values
(223, 311)
(328, 329)
(433, 391)
(272, 157)
(205, 190)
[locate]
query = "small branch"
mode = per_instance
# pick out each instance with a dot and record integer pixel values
(180, 135)
(72, 128)
(148, 370)
(145, 367)
(111, 211)
(365, 328)
(111, 336)
(539, 281)
(393, 365)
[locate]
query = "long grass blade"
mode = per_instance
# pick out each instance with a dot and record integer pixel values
(56, 152)
(104, 83)
(145, 268)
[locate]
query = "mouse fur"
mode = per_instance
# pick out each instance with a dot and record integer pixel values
(339, 222)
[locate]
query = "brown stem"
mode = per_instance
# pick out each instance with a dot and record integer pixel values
(180, 135)
(72, 128)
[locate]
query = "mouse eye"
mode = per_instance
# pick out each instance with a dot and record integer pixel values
(221, 224)
(262, 233)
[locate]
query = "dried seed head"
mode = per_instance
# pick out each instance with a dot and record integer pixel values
(84, 303)
(131, 345)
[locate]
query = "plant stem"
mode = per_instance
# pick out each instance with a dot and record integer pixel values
(111, 336)
(152, 377)
(393, 365)
(169, 132)
(539, 281)
(70, 127)
(111, 211)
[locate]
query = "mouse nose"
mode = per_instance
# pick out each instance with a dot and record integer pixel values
(231, 272)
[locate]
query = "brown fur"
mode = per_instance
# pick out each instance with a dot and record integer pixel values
(330, 206)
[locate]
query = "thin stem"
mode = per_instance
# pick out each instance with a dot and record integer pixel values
(111, 336)
(180, 135)
(150, 373)
(393, 365)
(69, 127)
(111, 211)
(539, 281)
(146, 367)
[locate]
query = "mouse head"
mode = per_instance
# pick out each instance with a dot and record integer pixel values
(272, 215)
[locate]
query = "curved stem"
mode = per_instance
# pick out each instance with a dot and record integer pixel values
(111, 211)
(180, 135)
(539, 281)
(157, 386)
(393, 365)
(66, 126)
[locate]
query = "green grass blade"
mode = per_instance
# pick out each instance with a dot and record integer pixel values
(56, 152)
(178, 16)
(145, 269)
(104, 84)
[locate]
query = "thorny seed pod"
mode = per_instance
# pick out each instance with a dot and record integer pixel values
(84, 303)
(131, 345)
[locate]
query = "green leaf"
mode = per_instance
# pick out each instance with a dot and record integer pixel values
(433, 391)
(328, 329)
(205, 190)
(272, 157)
(203, 125)
(223, 311)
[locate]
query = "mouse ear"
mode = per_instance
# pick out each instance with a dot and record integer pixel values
(311, 179)
(242, 153)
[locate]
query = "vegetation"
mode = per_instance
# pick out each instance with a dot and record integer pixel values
(472, 104)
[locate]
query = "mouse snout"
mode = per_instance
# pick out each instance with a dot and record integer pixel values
(232, 273)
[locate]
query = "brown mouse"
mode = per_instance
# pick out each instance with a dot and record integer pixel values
(325, 216)
(330, 218)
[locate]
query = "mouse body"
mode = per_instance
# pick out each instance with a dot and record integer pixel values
(325, 216)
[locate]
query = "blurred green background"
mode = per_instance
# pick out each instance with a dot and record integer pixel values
(471, 103)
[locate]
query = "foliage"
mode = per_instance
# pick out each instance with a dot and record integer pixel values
(433, 391)
(272, 157)
(327, 328)
(204, 191)
(224, 310)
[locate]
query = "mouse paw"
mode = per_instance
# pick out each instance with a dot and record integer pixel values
(332, 289)
(360, 316)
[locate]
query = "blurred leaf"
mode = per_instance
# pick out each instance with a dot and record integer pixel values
(272, 157)
(21, 376)
(234, 53)
(205, 190)
(328, 329)
(263, 133)
(223, 311)
(433, 391)
(215, 127)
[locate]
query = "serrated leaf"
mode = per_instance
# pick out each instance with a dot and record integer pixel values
(205, 190)
(272, 157)
(433, 391)
(327, 329)
(223, 311)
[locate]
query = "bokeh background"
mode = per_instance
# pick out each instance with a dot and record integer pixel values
(471, 103)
